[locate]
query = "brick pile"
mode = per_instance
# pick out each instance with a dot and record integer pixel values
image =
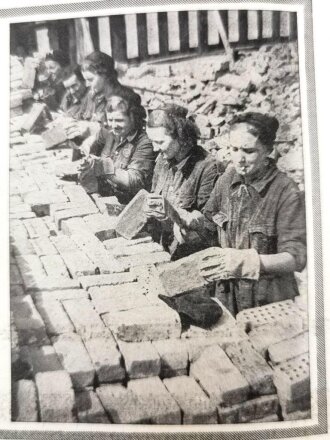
(264, 80)
(93, 343)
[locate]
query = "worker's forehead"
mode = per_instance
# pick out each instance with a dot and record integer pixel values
(70, 81)
(156, 133)
(240, 135)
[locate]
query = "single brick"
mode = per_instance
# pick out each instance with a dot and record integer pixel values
(138, 249)
(24, 403)
(54, 266)
(108, 205)
(106, 358)
(107, 279)
(54, 136)
(173, 357)
(56, 397)
(64, 243)
(253, 367)
(65, 206)
(40, 201)
(65, 214)
(246, 412)
(50, 284)
(43, 246)
(22, 247)
(292, 380)
(76, 193)
(103, 226)
(74, 225)
(160, 406)
(85, 319)
(288, 349)
(22, 215)
(36, 228)
(141, 359)
(266, 335)
(30, 327)
(284, 312)
(78, 263)
(122, 405)
(89, 408)
(144, 259)
(30, 268)
(219, 378)
(19, 208)
(15, 276)
(113, 299)
(75, 359)
(195, 405)
(132, 219)
(60, 295)
(56, 320)
(120, 242)
(144, 324)
(40, 359)
(183, 275)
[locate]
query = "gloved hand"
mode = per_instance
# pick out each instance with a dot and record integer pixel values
(228, 263)
(190, 220)
(86, 164)
(155, 207)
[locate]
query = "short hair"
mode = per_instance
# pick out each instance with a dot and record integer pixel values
(263, 127)
(58, 56)
(100, 63)
(75, 70)
(130, 104)
(174, 119)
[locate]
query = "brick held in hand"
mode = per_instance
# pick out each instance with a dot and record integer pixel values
(36, 114)
(133, 218)
(54, 136)
(182, 276)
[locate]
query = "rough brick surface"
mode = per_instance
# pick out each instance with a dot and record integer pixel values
(50, 284)
(43, 246)
(107, 279)
(56, 397)
(89, 408)
(141, 359)
(120, 242)
(65, 214)
(54, 136)
(133, 217)
(85, 319)
(54, 266)
(36, 228)
(78, 263)
(144, 324)
(24, 404)
(75, 359)
(160, 406)
(40, 201)
(108, 205)
(30, 268)
(173, 357)
(103, 226)
(122, 405)
(297, 415)
(266, 335)
(195, 405)
(137, 249)
(21, 246)
(30, 327)
(289, 348)
(74, 225)
(219, 378)
(56, 320)
(144, 259)
(61, 295)
(40, 359)
(63, 243)
(106, 359)
(284, 312)
(245, 412)
(253, 367)
(292, 380)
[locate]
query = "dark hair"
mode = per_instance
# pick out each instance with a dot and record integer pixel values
(130, 104)
(75, 70)
(264, 127)
(59, 57)
(101, 64)
(174, 119)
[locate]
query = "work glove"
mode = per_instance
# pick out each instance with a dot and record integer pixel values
(196, 308)
(228, 263)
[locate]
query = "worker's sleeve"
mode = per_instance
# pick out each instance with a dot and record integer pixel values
(291, 226)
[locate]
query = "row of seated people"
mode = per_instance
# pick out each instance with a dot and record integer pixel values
(249, 208)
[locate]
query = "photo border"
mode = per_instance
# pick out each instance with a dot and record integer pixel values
(151, 431)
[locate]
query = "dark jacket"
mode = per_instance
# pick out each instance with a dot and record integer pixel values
(267, 215)
(189, 188)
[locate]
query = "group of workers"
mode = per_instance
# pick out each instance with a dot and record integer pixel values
(249, 209)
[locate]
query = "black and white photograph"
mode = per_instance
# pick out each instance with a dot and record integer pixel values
(165, 266)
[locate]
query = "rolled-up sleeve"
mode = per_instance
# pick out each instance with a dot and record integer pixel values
(291, 226)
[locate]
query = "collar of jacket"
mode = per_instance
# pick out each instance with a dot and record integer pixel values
(260, 182)
(187, 164)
